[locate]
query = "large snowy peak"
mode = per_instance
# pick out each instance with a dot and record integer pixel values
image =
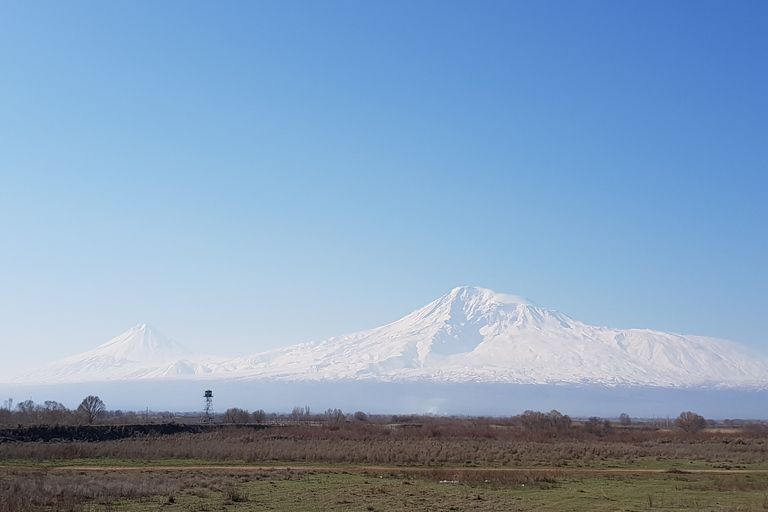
(476, 335)
(456, 323)
(431, 342)
(463, 319)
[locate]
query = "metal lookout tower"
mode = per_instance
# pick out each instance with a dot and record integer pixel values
(208, 408)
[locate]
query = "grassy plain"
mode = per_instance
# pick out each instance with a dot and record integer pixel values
(376, 467)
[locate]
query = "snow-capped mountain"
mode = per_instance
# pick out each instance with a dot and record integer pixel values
(469, 335)
(477, 335)
(141, 352)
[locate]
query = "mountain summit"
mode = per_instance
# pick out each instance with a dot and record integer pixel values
(142, 351)
(468, 335)
(141, 344)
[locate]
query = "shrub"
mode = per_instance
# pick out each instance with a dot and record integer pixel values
(690, 422)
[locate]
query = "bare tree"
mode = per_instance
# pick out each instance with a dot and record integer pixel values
(536, 420)
(624, 419)
(236, 415)
(5, 412)
(91, 407)
(594, 425)
(690, 422)
(334, 416)
(559, 421)
(30, 411)
(532, 420)
(301, 414)
(259, 416)
(54, 412)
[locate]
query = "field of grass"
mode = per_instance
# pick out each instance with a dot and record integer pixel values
(188, 488)
(376, 467)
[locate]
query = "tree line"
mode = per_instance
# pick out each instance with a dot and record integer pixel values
(50, 412)
(92, 410)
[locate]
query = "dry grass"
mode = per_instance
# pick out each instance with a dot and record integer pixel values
(365, 488)
(445, 459)
(24, 490)
(542, 479)
(454, 444)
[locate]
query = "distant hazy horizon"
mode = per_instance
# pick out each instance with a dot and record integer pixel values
(475, 399)
(249, 176)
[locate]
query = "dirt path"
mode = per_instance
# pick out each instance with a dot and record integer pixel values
(360, 468)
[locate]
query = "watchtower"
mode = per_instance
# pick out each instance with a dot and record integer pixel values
(208, 407)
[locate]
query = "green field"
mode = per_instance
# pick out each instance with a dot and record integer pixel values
(118, 486)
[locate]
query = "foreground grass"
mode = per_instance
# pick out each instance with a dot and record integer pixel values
(640, 464)
(366, 488)
(448, 465)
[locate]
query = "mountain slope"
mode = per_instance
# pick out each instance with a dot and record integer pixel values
(142, 352)
(468, 335)
(474, 334)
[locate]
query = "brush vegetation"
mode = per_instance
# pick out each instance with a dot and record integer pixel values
(533, 461)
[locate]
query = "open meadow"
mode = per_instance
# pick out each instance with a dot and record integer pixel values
(423, 464)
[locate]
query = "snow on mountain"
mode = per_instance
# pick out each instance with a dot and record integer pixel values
(469, 335)
(141, 352)
(477, 335)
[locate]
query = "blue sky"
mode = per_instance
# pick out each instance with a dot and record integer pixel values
(248, 175)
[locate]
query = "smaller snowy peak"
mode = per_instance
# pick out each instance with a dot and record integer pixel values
(142, 343)
(142, 351)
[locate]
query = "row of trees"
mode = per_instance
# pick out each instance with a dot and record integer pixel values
(298, 415)
(92, 409)
(51, 412)
(554, 421)
(548, 421)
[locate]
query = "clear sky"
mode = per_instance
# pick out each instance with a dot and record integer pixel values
(249, 175)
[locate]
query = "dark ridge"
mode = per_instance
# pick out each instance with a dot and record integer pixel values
(64, 433)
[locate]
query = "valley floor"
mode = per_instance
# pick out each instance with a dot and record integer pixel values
(447, 465)
(121, 487)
